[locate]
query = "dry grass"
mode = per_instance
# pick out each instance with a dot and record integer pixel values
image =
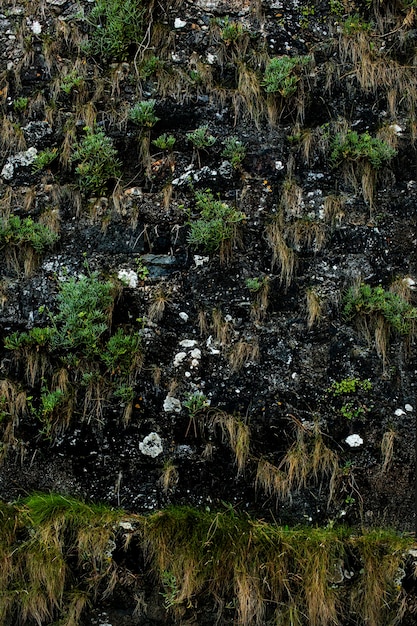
(333, 207)
(314, 307)
(243, 352)
(387, 448)
(282, 254)
(169, 477)
(222, 329)
(237, 434)
(159, 301)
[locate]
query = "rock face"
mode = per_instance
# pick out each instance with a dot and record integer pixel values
(208, 257)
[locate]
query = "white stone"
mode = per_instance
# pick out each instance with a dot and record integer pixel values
(7, 171)
(211, 348)
(128, 278)
(151, 445)
(354, 441)
(126, 525)
(410, 282)
(396, 129)
(179, 23)
(211, 58)
(36, 27)
(183, 316)
(188, 343)
(279, 166)
(195, 354)
(200, 260)
(399, 412)
(172, 405)
(21, 158)
(408, 408)
(178, 358)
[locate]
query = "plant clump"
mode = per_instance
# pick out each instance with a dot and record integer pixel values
(217, 228)
(97, 161)
(353, 146)
(282, 74)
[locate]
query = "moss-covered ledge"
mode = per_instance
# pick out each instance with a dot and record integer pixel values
(59, 555)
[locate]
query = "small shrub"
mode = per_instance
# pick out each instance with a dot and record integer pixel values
(283, 73)
(164, 142)
(121, 352)
(21, 233)
(234, 151)
(375, 301)
(231, 31)
(97, 161)
(201, 137)
(355, 24)
(20, 104)
(352, 146)
(43, 159)
(71, 80)
(216, 228)
(348, 386)
(116, 26)
(143, 114)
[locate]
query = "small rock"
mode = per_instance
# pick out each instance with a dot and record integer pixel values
(188, 343)
(183, 316)
(399, 412)
(179, 358)
(195, 354)
(408, 408)
(354, 441)
(172, 405)
(179, 23)
(200, 260)
(151, 445)
(36, 27)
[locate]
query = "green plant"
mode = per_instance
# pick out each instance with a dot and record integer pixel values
(165, 142)
(117, 26)
(44, 158)
(20, 104)
(355, 24)
(195, 402)
(97, 161)
(231, 31)
(256, 284)
(143, 271)
(71, 80)
(366, 301)
(282, 74)
(348, 386)
(150, 65)
(22, 233)
(201, 137)
(143, 114)
(217, 227)
(235, 151)
(85, 305)
(353, 146)
(122, 352)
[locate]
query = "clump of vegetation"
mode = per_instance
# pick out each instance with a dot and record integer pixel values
(79, 348)
(24, 240)
(358, 407)
(117, 28)
(20, 104)
(165, 142)
(217, 228)
(282, 74)
(235, 151)
(353, 146)
(143, 114)
(97, 161)
(58, 554)
(44, 158)
(201, 139)
(384, 312)
(70, 81)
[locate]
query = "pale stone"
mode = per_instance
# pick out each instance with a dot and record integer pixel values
(399, 412)
(179, 23)
(179, 358)
(151, 445)
(172, 405)
(188, 343)
(408, 408)
(183, 316)
(354, 441)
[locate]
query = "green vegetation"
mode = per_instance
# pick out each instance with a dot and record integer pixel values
(355, 24)
(164, 142)
(22, 233)
(231, 31)
(283, 73)
(383, 312)
(234, 151)
(70, 81)
(58, 554)
(97, 161)
(143, 114)
(117, 28)
(353, 146)
(201, 137)
(348, 386)
(76, 351)
(372, 302)
(216, 230)
(20, 104)
(44, 158)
